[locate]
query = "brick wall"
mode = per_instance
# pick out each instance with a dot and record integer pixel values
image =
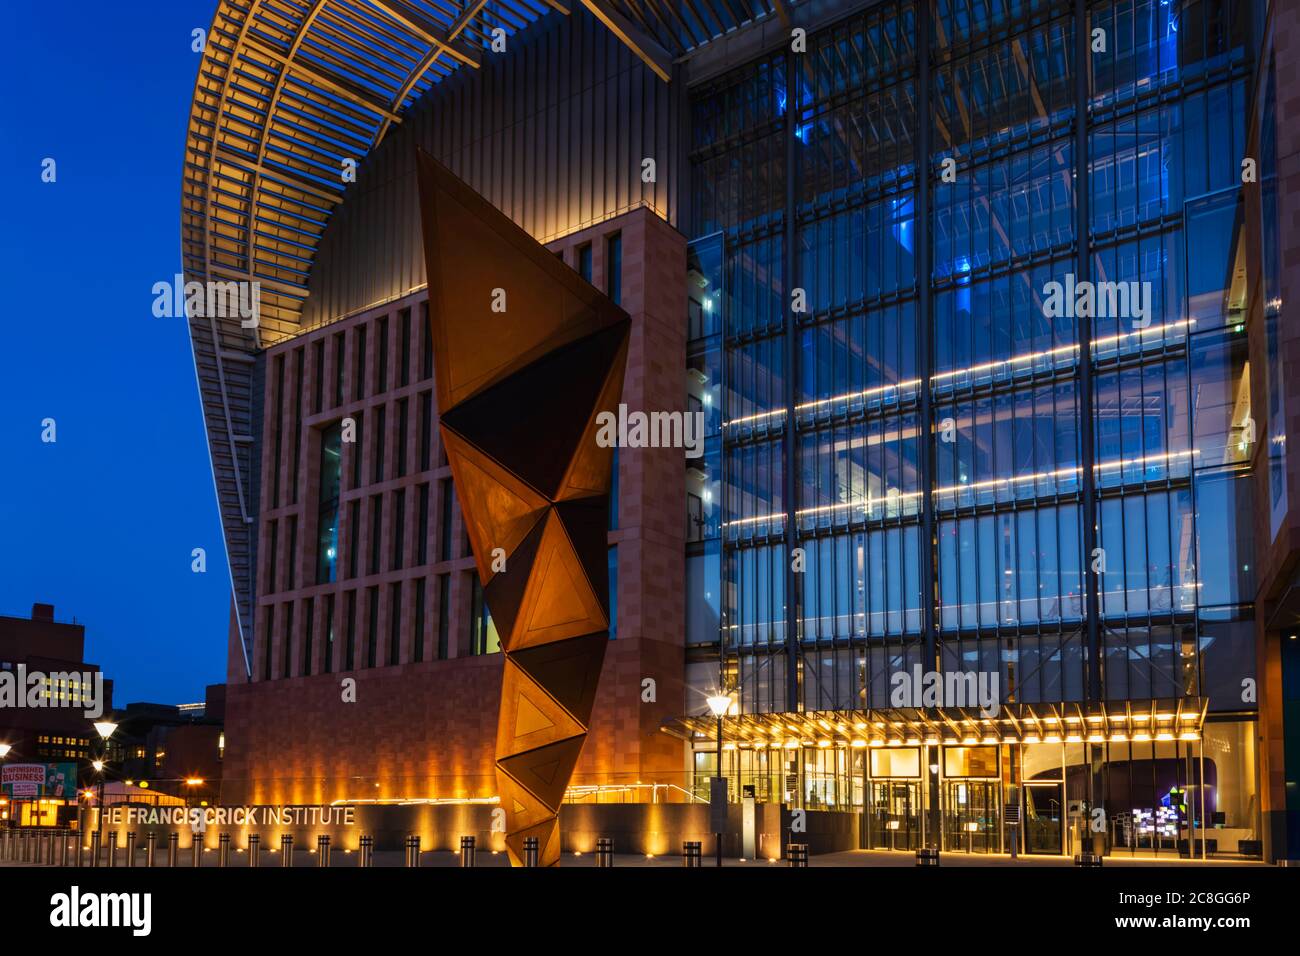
(428, 727)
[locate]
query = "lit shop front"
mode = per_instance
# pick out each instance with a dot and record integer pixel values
(1150, 778)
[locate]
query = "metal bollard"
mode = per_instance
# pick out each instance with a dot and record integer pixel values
(412, 850)
(797, 854)
(254, 850)
(691, 854)
(196, 850)
(323, 850)
(366, 858)
(286, 850)
(112, 848)
(150, 848)
(130, 848)
(81, 849)
(927, 856)
(1087, 859)
(466, 851)
(96, 844)
(223, 850)
(47, 848)
(605, 851)
(173, 848)
(27, 849)
(63, 847)
(530, 851)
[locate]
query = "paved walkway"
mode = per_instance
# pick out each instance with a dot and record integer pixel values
(848, 858)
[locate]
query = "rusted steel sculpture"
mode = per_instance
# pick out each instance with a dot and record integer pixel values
(526, 355)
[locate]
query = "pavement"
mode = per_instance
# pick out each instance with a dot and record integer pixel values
(846, 859)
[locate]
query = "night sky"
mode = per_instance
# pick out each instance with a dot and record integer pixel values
(102, 522)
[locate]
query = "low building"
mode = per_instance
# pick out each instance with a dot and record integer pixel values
(50, 698)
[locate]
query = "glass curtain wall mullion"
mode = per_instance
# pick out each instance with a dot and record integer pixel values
(794, 613)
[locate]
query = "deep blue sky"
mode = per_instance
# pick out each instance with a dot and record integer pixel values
(101, 524)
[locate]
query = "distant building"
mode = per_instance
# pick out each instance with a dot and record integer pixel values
(48, 698)
(174, 749)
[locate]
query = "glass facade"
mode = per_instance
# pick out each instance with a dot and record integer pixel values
(966, 414)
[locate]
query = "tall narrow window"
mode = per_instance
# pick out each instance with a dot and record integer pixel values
(292, 556)
(444, 615)
(327, 663)
(279, 430)
(272, 571)
(349, 653)
(376, 530)
(422, 528)
(426, 428)
(354, 536)
(394, 623)
(483, 637)
(327, 507)
(383, 356)
(338, 370)
(354, 451)
(399, 528)
(299, 357)
(614, 268)
(404, 369)
(444, 524)
(308, 632)
(402, 422)
(381, 426)
(318, 383)
(584, 261)
(372, 631)
(286, 646)
(417, 646)
(359, 392)
(426, 336)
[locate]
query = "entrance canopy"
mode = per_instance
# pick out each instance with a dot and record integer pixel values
(1054, 723)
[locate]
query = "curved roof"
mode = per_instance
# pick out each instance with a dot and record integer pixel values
(287, 92)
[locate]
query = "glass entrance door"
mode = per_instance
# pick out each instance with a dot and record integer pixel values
(971, 816)
(1043, 819)
(894, 817)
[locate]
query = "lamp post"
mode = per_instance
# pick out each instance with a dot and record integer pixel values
(4, 752)
(719, 704)
(106, 729)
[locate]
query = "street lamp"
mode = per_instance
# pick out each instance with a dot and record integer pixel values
(719, 703)
(105, 729)
(4, 752)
